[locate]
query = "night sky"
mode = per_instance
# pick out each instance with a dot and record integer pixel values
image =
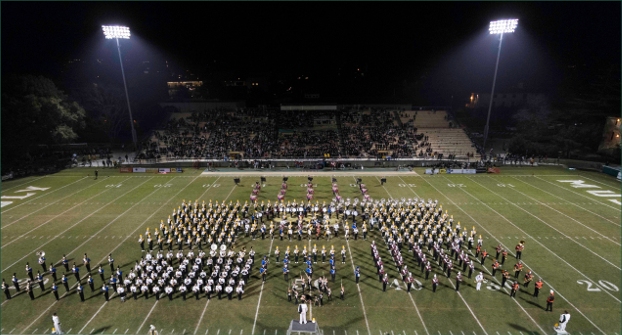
(445, 44)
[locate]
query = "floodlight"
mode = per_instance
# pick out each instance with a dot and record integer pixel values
(503, 26)
(116, 32)
(498, 27)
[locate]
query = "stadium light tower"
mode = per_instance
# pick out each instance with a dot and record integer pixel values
(499, 27)
(118, 32)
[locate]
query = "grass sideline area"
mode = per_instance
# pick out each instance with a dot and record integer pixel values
(572, 242)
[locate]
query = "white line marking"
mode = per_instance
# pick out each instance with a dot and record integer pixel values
(486, 230)
(30, 181)
(572, 203)
(183, 332)
(35, 330)
(586, 248)
(127, 330)
(569, 190)
(75, 224)
(92, 330)
(43, 195)
(571, 218)
(200, 319)
(69, 330)
(94, 315)
(46, 331)
(27, 215)
(145, 320)
(260, 293)
(115, 330)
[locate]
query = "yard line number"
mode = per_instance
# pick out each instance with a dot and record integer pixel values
(607, 285)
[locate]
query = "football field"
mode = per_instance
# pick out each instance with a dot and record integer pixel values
(569, 220)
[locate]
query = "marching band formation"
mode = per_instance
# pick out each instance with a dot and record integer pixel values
(166, 269)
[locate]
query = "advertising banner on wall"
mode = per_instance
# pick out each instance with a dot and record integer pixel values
(164, 170)
(126, 170)
(136, 170)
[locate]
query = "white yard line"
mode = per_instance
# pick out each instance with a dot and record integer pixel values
(572, 203)
(41, 208)
(201, 318)
(571, 218)
(359, 289)
(94, 315)
(543, 332)
(532, 269)
(260, 293)
(43, 195)
(75, 224)
(16, 186)
(583, 195)
(132, 233)
(145, 320)
(539, 219)
(48, 221)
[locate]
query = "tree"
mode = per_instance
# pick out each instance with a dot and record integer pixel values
(35, 111)
(107, 106)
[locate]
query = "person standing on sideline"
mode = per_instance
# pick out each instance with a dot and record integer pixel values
(96, 174)
(56, 321)
(302, 309)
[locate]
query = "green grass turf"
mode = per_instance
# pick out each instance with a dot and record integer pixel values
(571, 235)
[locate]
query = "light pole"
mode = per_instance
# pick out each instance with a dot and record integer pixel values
(497, 27)
(118, 32)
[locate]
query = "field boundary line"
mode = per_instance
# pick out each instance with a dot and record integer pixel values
(571, 218)
(583, 195)
(42, 195)
(526, 211)
(16, 186)
(46, 206)
(501, 243)
(75, 224)
(572, 203)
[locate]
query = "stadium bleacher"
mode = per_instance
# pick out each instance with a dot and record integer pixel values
(270, 134)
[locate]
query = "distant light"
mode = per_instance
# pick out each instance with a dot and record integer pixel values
(306, 77)
(503, 26)
(111, 32)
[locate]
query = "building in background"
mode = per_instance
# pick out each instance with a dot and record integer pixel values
(611, 137)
